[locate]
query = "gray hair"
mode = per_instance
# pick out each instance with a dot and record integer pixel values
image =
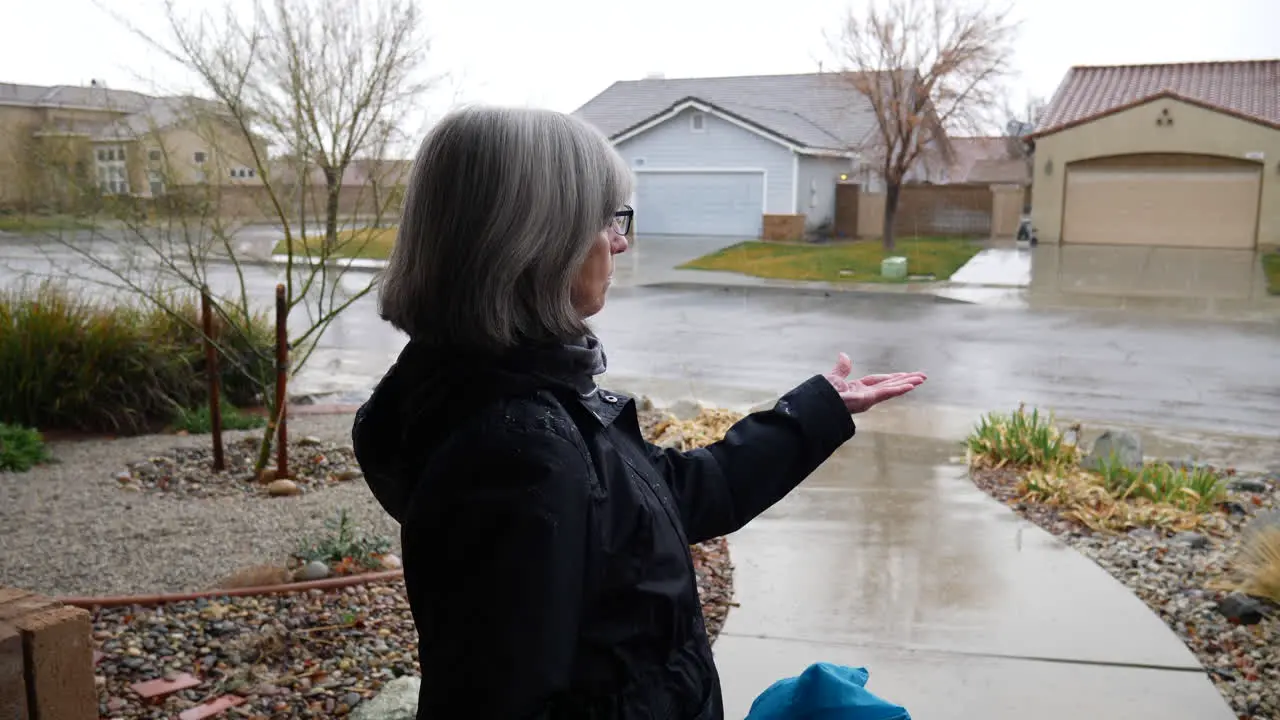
(499, 214)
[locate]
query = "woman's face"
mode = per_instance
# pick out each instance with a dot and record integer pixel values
(596, 273)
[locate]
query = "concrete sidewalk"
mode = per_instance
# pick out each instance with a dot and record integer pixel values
(889, 558)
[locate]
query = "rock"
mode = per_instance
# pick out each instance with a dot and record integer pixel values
(1126, 446)
(1240, 608)
(267, 475)
(256, 576)
(1250, 485)
(309, 441)
(348, 475)
(314, 570)
(646, 403)
(1194, 540)
(391, 561)
(131, 487)
(124, 478)
(398, 700)
(685, 410)
(352, 699)
(283, 488)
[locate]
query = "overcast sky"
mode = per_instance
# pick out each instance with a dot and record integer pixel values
(559, 53)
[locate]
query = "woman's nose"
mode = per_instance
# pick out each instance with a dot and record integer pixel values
(619, 244)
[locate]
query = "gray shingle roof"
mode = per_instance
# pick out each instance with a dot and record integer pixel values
(71, 95)
(814, 110)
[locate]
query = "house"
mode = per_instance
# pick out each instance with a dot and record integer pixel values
(712, 156)
(1183, 155)
(61, 144)
(987, 160)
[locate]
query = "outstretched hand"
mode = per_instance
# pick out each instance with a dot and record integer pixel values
(866, 392)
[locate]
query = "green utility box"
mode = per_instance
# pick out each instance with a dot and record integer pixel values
(894, 268)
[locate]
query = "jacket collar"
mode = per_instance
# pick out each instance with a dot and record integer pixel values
(604, 405)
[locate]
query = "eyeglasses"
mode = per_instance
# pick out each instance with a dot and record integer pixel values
(622, 220)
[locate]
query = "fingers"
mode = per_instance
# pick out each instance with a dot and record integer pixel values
(866, 398)
(916, 377)
(844, 366)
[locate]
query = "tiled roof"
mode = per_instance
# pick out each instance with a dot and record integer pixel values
(1249, 89)
(815, 110)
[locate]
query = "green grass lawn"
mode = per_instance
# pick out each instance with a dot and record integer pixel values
(372, 243)
(16, 223)
(839, 262)
(1271, 268)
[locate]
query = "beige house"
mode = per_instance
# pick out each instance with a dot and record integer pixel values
(1180, 155)
(63, 145)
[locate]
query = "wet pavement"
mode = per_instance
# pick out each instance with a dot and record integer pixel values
(889, 558)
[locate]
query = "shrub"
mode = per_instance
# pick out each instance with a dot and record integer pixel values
(1021, 440)
(199, 420)
(20, 448)
(341, 549)
(68, 362)
(1260, 563)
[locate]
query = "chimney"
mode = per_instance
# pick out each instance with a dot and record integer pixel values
(657, 75)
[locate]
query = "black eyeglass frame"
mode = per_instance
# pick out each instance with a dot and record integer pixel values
(627, 214)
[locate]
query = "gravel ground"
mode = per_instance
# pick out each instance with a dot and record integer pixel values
(109, 518)
(1179, 577)
(302, 655)
(70, 528)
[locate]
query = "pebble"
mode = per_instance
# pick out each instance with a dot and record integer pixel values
(283, 488)
(391, 561)
(314, 570)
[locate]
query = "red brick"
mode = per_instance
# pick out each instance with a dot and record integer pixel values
(209, 709)
(56, 643)
(13, 684)
(156, 688)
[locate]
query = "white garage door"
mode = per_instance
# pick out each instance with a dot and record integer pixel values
(1214, 207)
(699, 203)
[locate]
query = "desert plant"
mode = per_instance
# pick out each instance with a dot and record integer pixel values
(71, 362)
(342, 549)
(1020, 439)
(21, 448)
(1259, 563)
(199, 420)
(1195, 489)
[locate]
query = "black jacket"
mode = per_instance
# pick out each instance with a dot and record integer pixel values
(546, 544)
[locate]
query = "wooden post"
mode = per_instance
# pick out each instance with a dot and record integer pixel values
(282, 378)
(211, 370)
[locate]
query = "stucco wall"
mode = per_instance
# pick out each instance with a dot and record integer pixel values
(1194, 130)
(816, 189)
(721, 145)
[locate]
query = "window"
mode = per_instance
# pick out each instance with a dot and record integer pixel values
(698, 122)
(154, 156)
(113, 176)
(242, 172)
(156, 181)
(198, 157)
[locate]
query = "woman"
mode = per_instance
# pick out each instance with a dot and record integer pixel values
(546, 544)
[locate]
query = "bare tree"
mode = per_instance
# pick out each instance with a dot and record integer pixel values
(327, 86)
(926, 67)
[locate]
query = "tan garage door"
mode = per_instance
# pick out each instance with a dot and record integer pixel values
(1177, 207)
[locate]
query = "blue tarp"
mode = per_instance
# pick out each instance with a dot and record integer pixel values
(824, 692)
